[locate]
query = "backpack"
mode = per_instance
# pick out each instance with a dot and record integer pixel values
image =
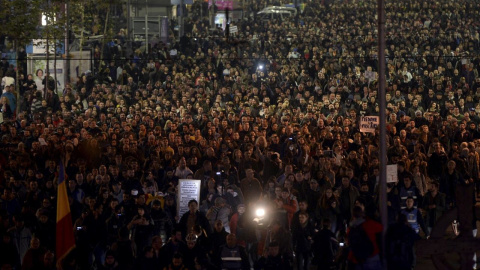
(360, 244)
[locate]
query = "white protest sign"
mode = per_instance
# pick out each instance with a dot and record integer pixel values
(187, 190)
(369, 123)
(392, 173)
(233, 30)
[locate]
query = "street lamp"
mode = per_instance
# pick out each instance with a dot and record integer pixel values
(46, 73)
(44, 19)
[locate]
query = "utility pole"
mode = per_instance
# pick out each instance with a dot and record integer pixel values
(47, 67)
(212, 14)
(383, 124)
(146, 26)
(66, 67)
(129, 26)
(180, 15)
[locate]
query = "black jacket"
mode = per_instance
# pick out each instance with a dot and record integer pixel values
(199, 220)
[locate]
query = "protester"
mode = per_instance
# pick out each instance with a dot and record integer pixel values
(269, 117)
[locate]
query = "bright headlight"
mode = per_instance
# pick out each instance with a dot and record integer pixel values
(260, 212)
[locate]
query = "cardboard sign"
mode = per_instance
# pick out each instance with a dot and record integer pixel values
(187, 190)
(369, 123)
(392, 173)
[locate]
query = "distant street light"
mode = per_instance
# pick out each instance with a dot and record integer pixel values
(44, 19)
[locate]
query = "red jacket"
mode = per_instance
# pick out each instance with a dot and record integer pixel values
(290, 205)
(372, 228)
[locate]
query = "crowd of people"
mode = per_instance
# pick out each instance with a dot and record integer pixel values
(266, 119)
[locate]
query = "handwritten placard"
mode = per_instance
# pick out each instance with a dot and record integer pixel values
(369, 123)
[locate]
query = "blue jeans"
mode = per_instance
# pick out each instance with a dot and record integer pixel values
(373, 263)
(303, 260)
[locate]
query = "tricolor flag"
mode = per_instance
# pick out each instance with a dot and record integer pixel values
(65, 240)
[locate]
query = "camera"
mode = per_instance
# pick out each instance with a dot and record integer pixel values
(79, 228)
(342, 244)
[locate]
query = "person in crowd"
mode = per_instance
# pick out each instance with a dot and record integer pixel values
(233, 256)
(273, 259)
(219, 236)
(193, 217)
(286, 205)
(141, 227)
(434, 206)
(8, 248)
(393, 203)
(147, 260)
(324, 247)
(408, 189)
(302, 238)
(414, 216)
(220, 211)
(348, 196)
(250, 186)
(34, 256)
(174, 245)
(278, 106)
(362, 236)
(283, 237)
(400, 240)
(176, 263)
(123, 250)
(20, 235)
(111, 262)
(193, 252)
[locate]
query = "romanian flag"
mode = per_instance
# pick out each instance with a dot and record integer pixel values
(65, 240)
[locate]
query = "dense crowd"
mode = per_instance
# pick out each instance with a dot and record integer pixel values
(266, 119)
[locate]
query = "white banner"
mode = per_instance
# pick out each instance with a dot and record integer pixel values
(369, 123)
(187, 190)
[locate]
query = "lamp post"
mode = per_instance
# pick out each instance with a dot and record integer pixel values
(67, 51)
(46, 73)
(146, 27)
(181, 19)
(383, 122)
